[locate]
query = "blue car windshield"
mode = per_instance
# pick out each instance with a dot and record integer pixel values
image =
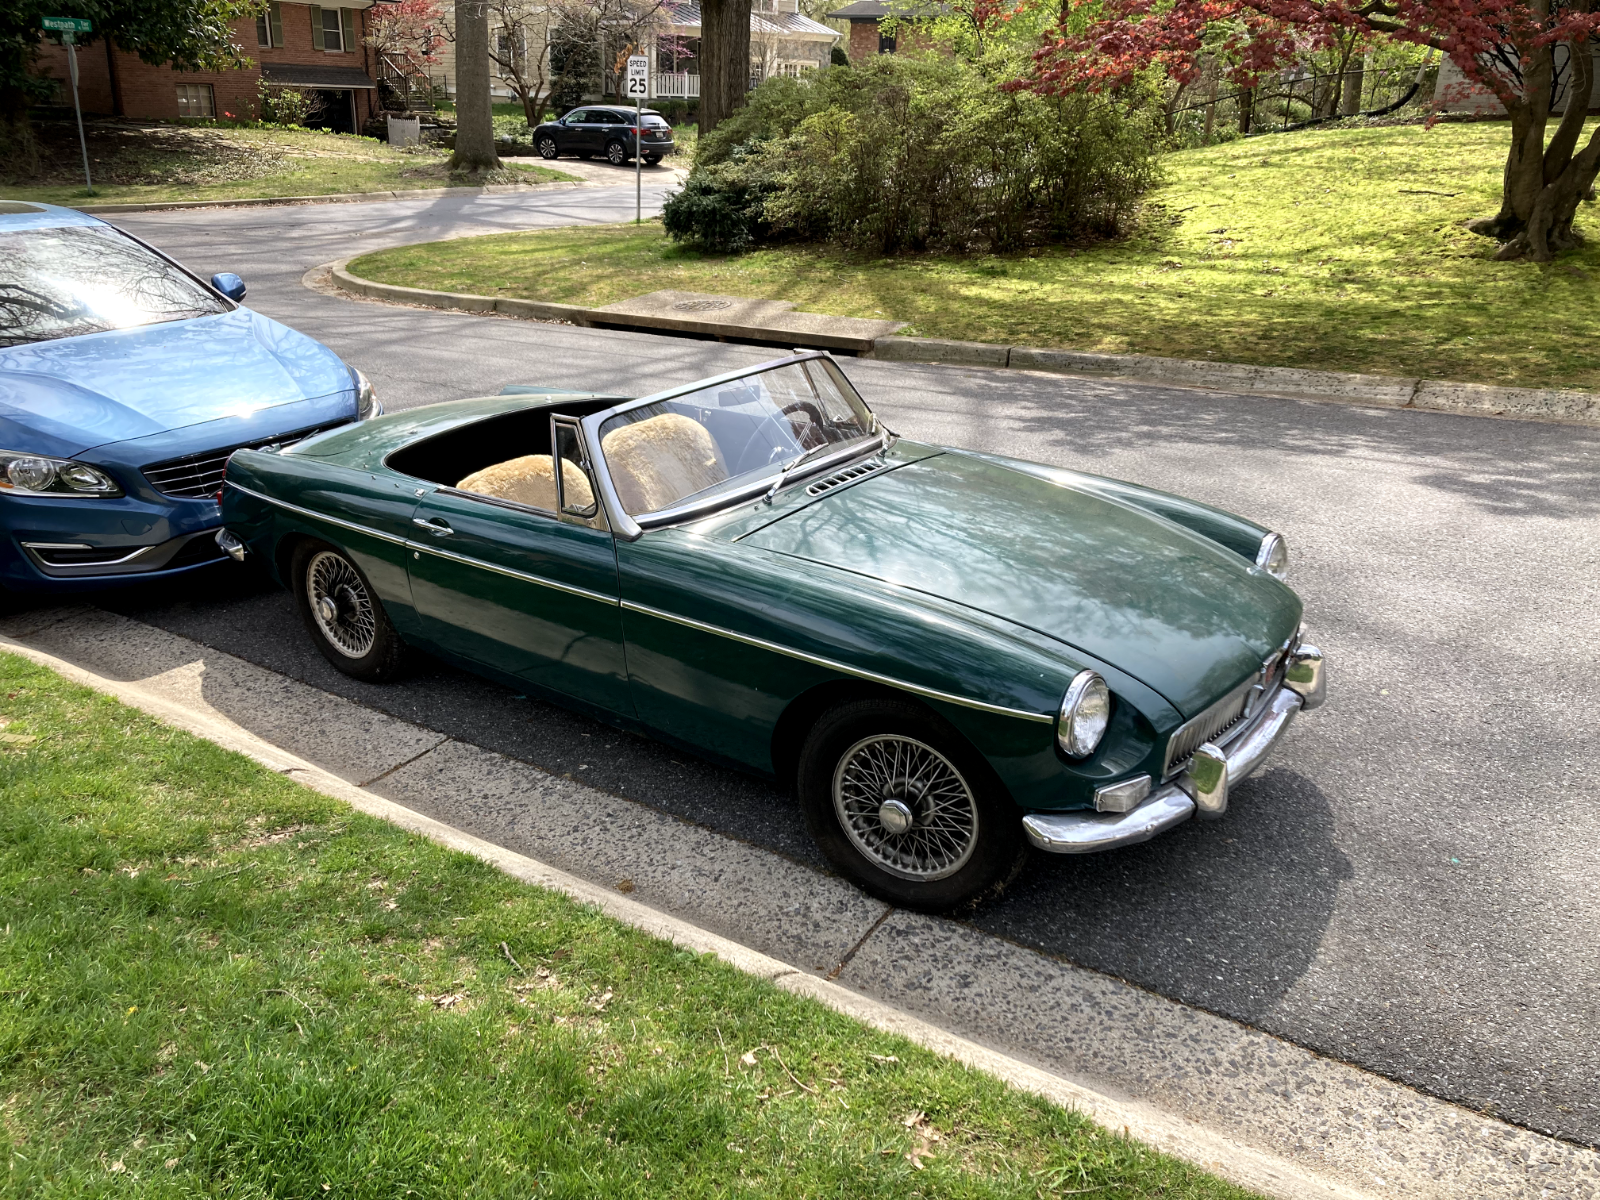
(75, 279)
(717, 438)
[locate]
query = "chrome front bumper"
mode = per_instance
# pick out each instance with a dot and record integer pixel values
(1203, 786)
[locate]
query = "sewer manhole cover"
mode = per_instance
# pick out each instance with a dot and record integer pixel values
(702, 305)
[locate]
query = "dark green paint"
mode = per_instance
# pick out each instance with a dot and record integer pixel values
(976, 577)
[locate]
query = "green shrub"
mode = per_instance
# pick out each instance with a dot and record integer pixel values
(907, 153)
(720, 207)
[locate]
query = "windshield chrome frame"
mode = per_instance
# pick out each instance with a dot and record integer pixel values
(631, 528)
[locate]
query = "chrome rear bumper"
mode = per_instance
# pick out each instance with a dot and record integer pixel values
(1207, 779)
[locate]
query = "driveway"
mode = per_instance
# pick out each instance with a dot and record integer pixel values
(1411, 886)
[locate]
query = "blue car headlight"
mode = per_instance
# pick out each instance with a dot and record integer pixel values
(367, 403)
(39, 475)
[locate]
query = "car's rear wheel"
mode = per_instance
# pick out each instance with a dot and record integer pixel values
(616, 153)
(651, 160)
(547, 147)
(344, 615)
(901, 804)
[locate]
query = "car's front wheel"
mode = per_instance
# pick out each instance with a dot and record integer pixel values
(901, 804)
(547, 147)
(616, 153)
(344, 615)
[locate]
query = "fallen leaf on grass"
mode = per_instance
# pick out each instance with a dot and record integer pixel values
(599, 1005)
(18, 739)
(747, 1059)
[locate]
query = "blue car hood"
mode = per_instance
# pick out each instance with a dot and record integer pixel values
(69, 395)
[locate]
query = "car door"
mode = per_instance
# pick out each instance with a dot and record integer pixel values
(610, 125)
(523, 591)
(570, 139)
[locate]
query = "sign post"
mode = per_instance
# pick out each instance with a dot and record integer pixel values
(69, 28)
(638, 88)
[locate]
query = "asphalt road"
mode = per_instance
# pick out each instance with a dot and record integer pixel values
(1411, 886)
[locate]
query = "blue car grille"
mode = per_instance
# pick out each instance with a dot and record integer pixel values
(199, 476)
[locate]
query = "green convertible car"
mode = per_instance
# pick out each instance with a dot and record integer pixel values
(950, 655)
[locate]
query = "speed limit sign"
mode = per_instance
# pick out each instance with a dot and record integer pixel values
(638, 77)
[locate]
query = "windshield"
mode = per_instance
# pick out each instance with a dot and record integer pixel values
(719, 437)
(65, 281)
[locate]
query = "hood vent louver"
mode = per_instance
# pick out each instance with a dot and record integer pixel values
(848, 475)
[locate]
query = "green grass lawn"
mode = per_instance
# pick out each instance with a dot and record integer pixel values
(1338, 249)
(144, 164)
(216, 983)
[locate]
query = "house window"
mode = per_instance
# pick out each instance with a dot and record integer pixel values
(269, 27)
(196, 100)
(333, 29)
(886, 43)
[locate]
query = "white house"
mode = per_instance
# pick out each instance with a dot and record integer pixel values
(783, 41)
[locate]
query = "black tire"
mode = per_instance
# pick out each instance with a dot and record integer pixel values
(970, 855)
(616, 153)
(357, 636)
(651, 160)
(547, 147)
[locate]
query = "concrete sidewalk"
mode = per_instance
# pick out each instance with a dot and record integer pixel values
(1255, 1109)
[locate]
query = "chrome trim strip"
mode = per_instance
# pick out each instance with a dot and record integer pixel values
(105, 562)
(465, 560)
(842, 668)
(831, 664)
(434, 550)
(316, 516)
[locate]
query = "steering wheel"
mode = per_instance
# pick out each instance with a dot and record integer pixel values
(769, 432)
(813, 426)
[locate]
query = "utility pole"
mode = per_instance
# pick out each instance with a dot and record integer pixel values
(69, 28)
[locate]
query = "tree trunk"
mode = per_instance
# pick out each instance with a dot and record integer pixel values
(474, 112)
(1543, 184)
(1247, 109)
(724, 59)
(1355, 83)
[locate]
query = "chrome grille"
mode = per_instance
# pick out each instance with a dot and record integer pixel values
(1208, 726)
(199, 476)
(1225, 715)
(840, 478)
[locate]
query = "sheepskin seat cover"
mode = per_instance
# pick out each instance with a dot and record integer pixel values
(656, 462)
(530, 480)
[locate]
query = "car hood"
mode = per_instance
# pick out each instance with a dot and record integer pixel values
(1182, 614)
(69, 395)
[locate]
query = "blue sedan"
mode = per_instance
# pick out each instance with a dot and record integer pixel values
(125, 384)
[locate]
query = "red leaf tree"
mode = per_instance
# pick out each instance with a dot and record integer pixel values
(1527, 52)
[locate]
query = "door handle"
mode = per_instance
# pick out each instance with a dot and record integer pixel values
(437, 526)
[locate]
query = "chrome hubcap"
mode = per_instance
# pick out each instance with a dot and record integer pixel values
(340, 605)
(905, 807)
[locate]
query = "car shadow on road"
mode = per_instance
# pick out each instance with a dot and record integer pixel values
(1226, 915)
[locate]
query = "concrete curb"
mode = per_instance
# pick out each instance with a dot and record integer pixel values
(1426, 395)
(1431, 395)
(339, 198)
(1185, 1140)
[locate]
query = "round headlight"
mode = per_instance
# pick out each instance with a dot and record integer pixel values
(1273, 556)
(35, 474)
(1085, 713)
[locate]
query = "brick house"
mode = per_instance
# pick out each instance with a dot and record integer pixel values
(304, 46)
(867, 36)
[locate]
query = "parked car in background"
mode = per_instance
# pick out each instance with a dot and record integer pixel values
(949, 656)
(596, 130)
(125, 383)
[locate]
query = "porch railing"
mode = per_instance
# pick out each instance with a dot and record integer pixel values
(668, 85)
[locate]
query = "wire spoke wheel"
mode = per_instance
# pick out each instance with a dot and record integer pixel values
(905, 807)
(341, 605)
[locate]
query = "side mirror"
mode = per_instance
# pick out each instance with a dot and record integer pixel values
(229, 284)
